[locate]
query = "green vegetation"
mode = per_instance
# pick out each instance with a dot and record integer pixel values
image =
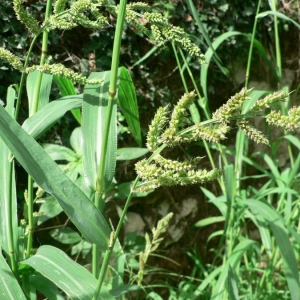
(98, 248)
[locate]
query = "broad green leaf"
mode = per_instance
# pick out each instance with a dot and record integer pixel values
(282, 238)
(46, 287)
(65, 235)
(41, 121)
(58, 152)
(50, 208)
(76, 140)
(9, 286)
(47, 174)
(67, 88)
(75, 280)
(94, 113)
(8, 198)
(131, 153)
(128, 103)
(233, 261)
(278, 14)
(44, 89)
(84, 248)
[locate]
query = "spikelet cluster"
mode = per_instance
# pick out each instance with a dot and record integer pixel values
(252, 133)
(290, 122)
(173, 131)
(170, 173)
(27, 19)
(12, 59)
(163, 31)
(152, 245)
(232, 107)
(61, 70)
(81, 12)
(267, 102)
(139, 15)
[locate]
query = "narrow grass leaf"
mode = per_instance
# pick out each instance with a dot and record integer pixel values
(208, 56)
(9, 286)
(44, 89)
(230, 188)
(254, 96)
(282, 238)
(128, 103)
(131, 153)
(8, 198)
(195, 15)
(215, 234)
(209, 221)
(232, 285)
(279, 15)
(67, 88)
(46, 287)
(47, 174)
(233, 261)
(46, 117)
(75, 280)
(147, 55)
(264, 230)
(94, 113)
(209, 280)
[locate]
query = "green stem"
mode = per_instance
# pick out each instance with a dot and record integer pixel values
(252, 45)
(32, 111)
(277, 45)
(115, 234)
(112, 92)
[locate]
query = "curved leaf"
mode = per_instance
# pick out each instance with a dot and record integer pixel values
(46, 173)
(67, 88)
(278, 14)
(9, 286)
(75, 280)
(282, 238)
(128, 103)
(232, 261)
(44, 89)
(8, 198)
(37, 124)
(130, 153)
(94, 113)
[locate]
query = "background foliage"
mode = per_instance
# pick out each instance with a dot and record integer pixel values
(158, 82)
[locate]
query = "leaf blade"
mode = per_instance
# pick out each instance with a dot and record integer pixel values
(75, 280)
(45, 172)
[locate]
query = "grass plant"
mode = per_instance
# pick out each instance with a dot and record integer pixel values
(244, 267)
